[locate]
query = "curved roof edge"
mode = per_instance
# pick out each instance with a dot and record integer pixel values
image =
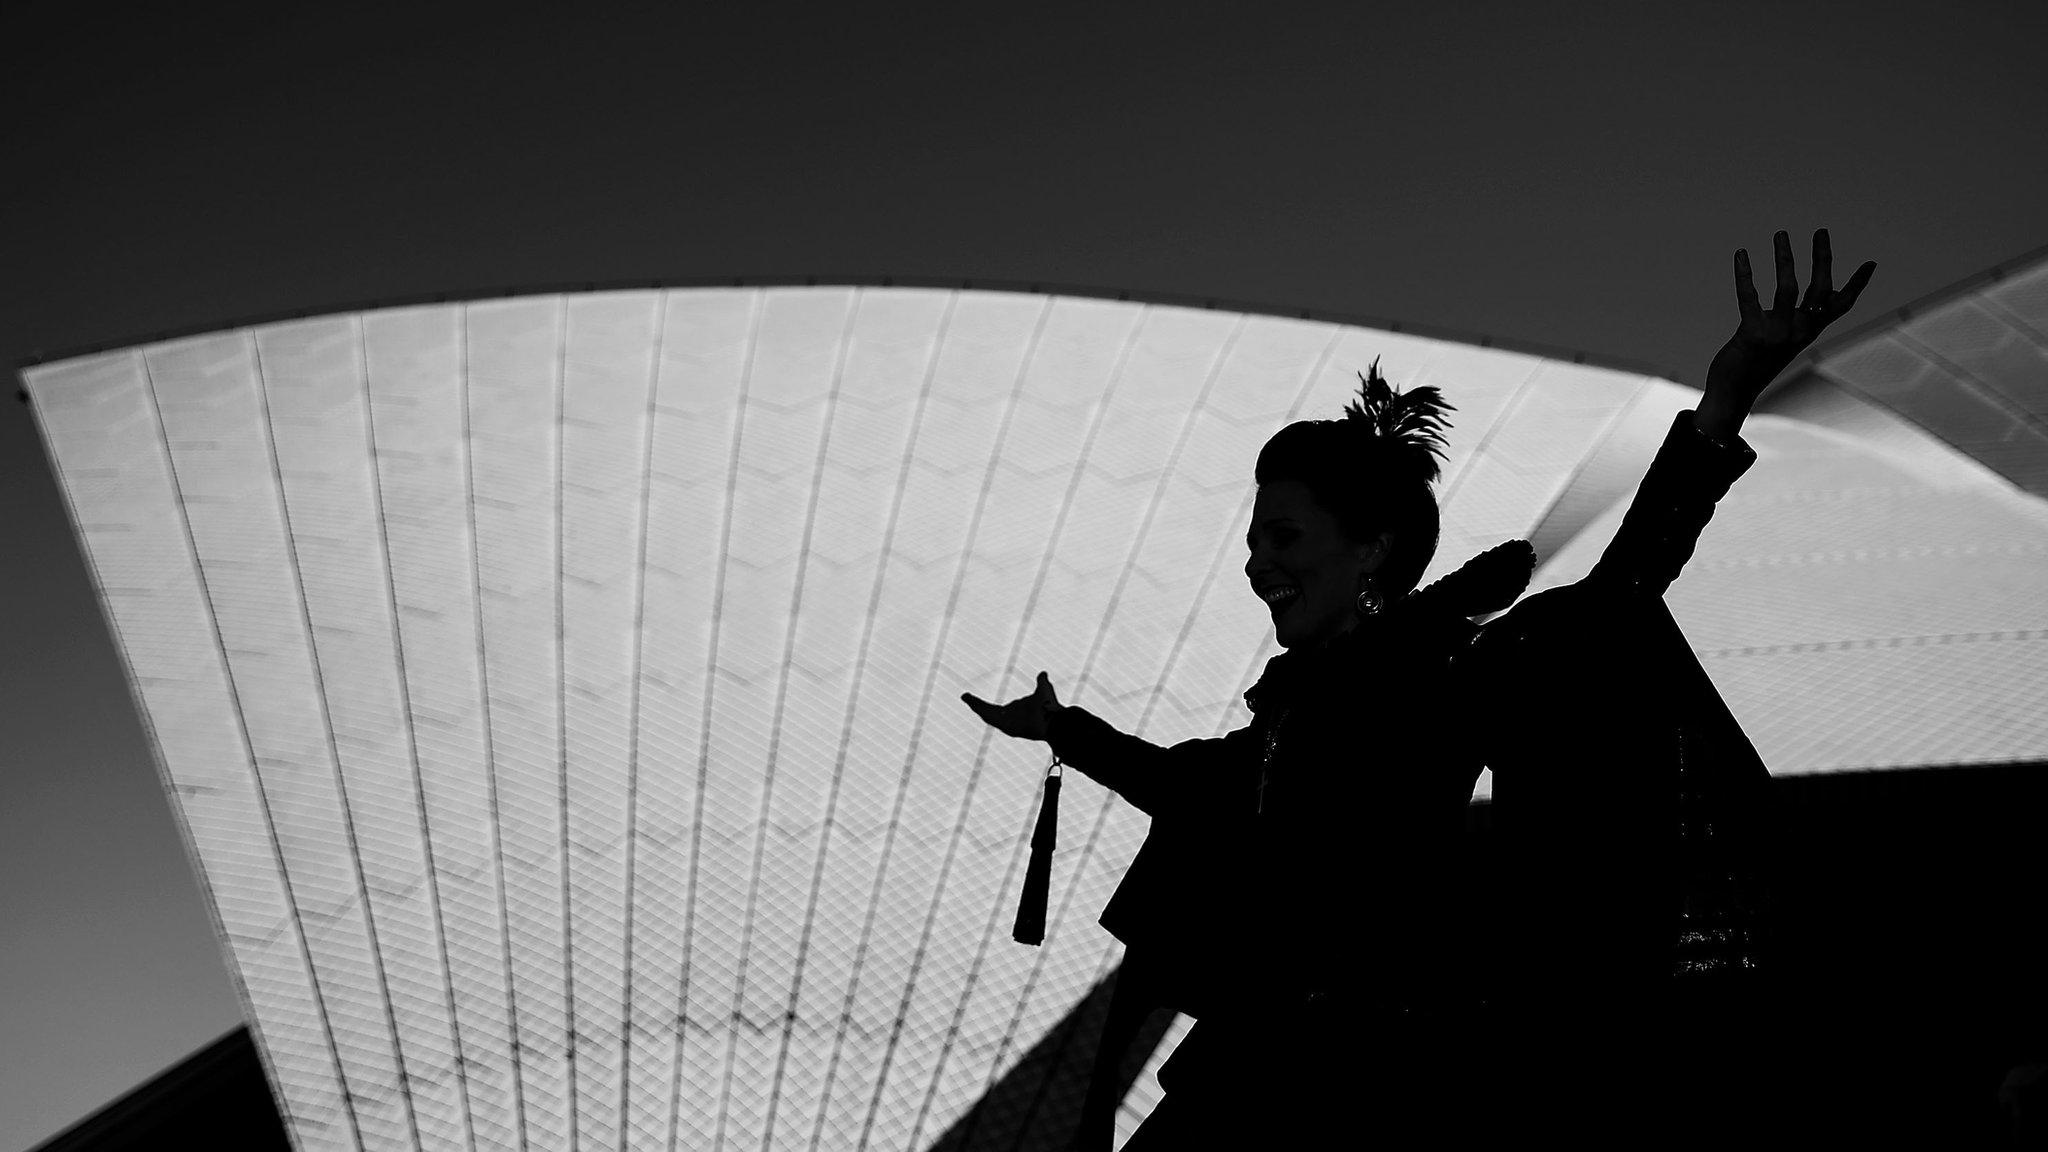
(1964, 365)
(1822, 349)
(1825, 405)
(961, 284)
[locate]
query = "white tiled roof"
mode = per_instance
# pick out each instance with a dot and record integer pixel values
(1967, 367)
(1859, 609)
(559, 693)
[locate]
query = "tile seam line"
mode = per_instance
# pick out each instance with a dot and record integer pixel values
(1077, 472)
(2012, 409)
(1923, 640)
(846, 338)
(910, 441)
(376, 470)
(575, 1115)
(1166, 474)
(736, 1014)
(1029, 357)
(1830, 374)
(1258, 656)
(2027, 326)
(1447, 489)
(1188, 621)
(327, 723)
(1972, 286)
(290, 894)
(633, 718)
(1615, 422)
(483, 669)
(1195, 613)
(739, 427)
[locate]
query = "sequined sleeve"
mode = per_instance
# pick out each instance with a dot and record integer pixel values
(1675, 501)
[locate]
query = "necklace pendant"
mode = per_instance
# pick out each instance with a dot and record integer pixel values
(1266, 761)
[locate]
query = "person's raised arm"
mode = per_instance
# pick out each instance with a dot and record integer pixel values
(1704, 452)
(1152, 778)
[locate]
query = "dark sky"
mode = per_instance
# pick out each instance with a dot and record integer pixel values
(1575, 176)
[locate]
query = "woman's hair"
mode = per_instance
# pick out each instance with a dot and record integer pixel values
(1372, 470)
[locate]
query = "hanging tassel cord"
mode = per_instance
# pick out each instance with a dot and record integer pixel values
(1030, 926)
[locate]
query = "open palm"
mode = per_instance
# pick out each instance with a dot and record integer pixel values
(1765, 341)
(1025, 717)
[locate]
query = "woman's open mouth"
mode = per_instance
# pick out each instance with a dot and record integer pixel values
(1279, 597)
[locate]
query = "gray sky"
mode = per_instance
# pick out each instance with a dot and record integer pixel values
(1573, 176)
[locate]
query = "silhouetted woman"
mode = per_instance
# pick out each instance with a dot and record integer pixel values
(1302, 894)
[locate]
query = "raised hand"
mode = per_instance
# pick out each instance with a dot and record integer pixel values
(1766, 341)
(1025, 717)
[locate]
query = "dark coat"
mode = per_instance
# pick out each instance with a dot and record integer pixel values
(1336, 898)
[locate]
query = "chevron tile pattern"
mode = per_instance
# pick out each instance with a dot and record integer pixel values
(1972, 369)
(558, 693)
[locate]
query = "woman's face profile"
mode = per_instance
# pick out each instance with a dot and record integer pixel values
(1303, 566)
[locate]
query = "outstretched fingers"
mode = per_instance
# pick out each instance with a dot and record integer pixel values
(1821, 294)
(1745, 289)
(1788, 277)
(1821, 289)
(982, 708)
(1846, 298)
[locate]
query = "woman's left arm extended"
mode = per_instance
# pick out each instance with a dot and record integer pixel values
(1153, 779)
(1704, 452)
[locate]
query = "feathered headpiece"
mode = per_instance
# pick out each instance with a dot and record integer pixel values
(1409, 425)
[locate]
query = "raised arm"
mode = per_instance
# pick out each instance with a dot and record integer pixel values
(1676, 499)
(1704, 454)
(1189, 775)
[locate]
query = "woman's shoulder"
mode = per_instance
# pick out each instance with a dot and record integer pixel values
(1566, 612)
(1546, 621)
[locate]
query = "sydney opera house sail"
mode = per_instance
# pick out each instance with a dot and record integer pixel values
(559, 693)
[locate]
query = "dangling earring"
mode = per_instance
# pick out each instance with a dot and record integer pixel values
(1369, 602)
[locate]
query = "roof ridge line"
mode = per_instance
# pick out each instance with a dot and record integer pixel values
(872, 280)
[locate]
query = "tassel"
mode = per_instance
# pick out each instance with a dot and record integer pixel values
(1030, 927)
